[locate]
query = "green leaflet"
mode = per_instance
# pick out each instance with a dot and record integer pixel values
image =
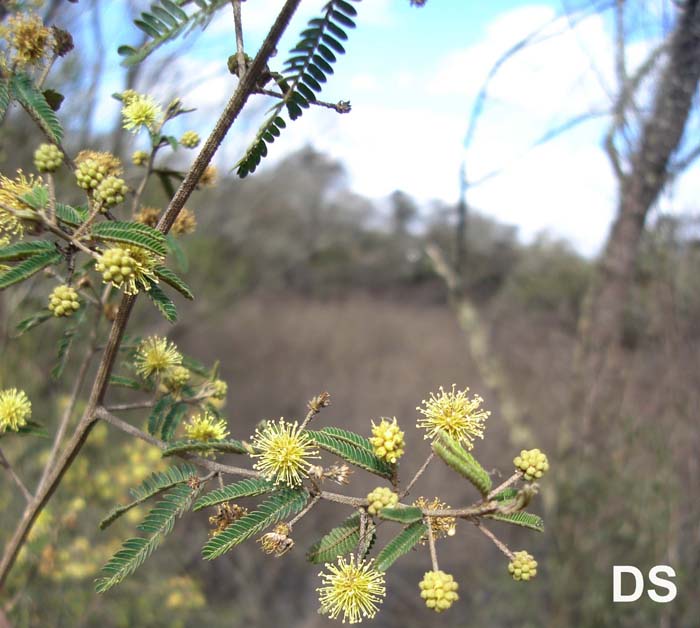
(522, 518)
(31, 428)
(29, 267)
(172, 420)
(158, 523)
(64, 344)
(163, 302)
(4, 97)
(22, 250)
(169, 277)
(402, 514)
(338, 542)
(400, 545)
(166, 21)
(35, 104)
(197, 446)
(125, 382)
(280, 505)
(245, 488)
(33, 321)
(38, 198)
(350, 437)
(128, 232)
(155, 483)
(506, 494)
(357, 456)
(73, 216)
(155, 419)
(305, 70)
(459, 459)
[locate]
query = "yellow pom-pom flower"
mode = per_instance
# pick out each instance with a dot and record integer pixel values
(523, 567)
(139, 158)
(156, 356)
(185, 223)
(48, 158)
(15, 409)
(176, 378)
(219, 389)
(206, 427)
(441, 526)
(283, 452)
(190, 139)
(439, 590)
(379, 498)
(28, 37)
(533, 463)
(111, 191)
(63, 301)
(140, 111)
(455, 414)
(387, 440)
(128, 267)
(148, 216)
(354, 589)
(11, 192)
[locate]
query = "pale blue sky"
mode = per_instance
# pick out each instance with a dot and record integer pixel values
(412, 76)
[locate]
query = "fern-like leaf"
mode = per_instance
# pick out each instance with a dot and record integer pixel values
(338, 542)
(305, 71)
(245, 488)
(5, 97)
(402, 514)
(172, 420)
(35, 104)
(350, 437)
(162, 301)
(165, 22)
(155, 419)
(33, 321)
(459, 459)
(357, 456)
(169, 277)
(125, 382)
(128, 232)
(400, 545)
(278, 506)
(155, 483)
(28, 268)
(197, 446)
(506, 494)
(157, 524)
(22, 250)
(72, 216)
(523, 519)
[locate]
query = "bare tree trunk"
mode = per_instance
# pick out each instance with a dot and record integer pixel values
(602, 324)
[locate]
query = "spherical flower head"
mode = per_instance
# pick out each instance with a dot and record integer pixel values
(185, 223)
(283, 452)
(387, 440)
(523, 567)
(111, 191)
(148, 216)
(352, 588)
(139, 158)
(48, 158)
(11, 192)
(28, 38)
(206, 427)
(278, 542)
(441, 526)
(156, 356)
(64, 301)
(176, 378)
(533, 463)
(15, 409)
(89, 174)
(209, 177)
(439, 590)
(454, 414)
(379, 498)
(140, 111)
(128, 267)
(219, 389)
(108, 163)
(190, 139)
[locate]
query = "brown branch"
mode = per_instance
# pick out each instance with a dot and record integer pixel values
(431, 544)
(496, 541)
(244, 89)
(5, 464)
(420, 472)
(238, 27)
